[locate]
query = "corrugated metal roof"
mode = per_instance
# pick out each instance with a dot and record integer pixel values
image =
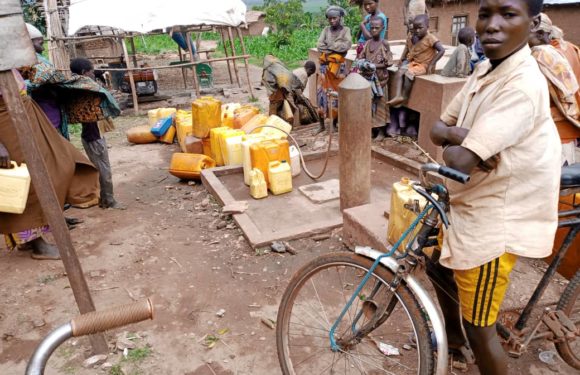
(561, 2)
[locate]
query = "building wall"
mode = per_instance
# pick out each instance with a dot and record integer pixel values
(565, 17)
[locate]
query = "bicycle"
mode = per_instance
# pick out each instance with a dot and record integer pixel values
(87, 324)
(378, 305)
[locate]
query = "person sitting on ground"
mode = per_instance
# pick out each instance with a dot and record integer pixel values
(373, 11)
(377, 53)
(459, 62)
(73, 177)
(285, 87)
(563, 86)
(499, 130)
(421, 54)
(334, 42)
(95, 145)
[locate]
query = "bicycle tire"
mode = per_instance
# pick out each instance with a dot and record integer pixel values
(359, 265)
(568, 304)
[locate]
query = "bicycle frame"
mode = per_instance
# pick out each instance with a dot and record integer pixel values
(387, 260)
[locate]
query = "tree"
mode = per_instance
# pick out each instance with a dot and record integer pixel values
(33, 14)
(285, 17)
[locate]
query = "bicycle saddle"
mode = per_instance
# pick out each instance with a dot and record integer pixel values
(570, 176)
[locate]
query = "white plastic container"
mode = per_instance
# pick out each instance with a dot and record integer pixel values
(234, 152)
(14, 188)
(295, 161)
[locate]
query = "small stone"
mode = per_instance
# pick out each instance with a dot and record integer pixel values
(407, 347)
(95, 274)
(458, 365)
(231, 226)
(37, 323)
(95, 360)
(191, 183)
(221, 224)
(321, 237)
(236, 207)
(204, 203)
(262, 338)
(221, 313)
(124, 342)
(106, 366)
(278, 247)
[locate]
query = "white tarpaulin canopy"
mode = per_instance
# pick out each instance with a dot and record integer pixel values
(143, 16)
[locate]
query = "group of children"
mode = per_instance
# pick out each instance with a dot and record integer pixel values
(374, 57)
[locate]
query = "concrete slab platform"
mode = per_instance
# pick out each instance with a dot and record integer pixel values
(292, 215)
(366, 225)
(322, 192)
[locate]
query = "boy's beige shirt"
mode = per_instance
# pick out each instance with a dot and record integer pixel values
(513, 208)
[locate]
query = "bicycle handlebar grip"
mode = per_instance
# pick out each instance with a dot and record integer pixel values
(453, 174)
(100, 321)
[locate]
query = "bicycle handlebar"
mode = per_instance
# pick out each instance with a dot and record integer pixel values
(446, 172)
(100, 321)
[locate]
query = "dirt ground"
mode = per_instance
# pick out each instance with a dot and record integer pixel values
(166, 245)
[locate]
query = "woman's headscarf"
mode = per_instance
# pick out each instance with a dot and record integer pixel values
(335, 11)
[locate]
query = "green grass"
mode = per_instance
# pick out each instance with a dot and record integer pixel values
(139, 354)
(292, 54)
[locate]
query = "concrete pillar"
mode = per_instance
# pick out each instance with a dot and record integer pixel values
(354, 114)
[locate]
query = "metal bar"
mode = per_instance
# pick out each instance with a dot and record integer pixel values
(227, 55)
(233, 49)
(546, 278)
(131, 78)
(49, 202)
(573, 212)
(568, 223)
(40, 357)
(190, 48)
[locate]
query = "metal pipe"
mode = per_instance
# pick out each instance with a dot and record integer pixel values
(426, 302)
(47, 346)
(546, 278)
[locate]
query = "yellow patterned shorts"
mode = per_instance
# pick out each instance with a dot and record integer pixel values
(482, 289)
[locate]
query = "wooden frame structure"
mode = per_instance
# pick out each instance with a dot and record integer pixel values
(228, 43)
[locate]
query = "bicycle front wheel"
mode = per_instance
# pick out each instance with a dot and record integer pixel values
(389, 322)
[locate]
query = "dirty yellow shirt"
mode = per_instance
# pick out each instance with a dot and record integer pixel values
(513, 208)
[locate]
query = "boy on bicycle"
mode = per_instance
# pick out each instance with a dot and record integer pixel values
(499, 130)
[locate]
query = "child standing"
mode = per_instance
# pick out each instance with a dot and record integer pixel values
(421, 53)
(493, 130)
(372, 9)
(459, 62)
(95, 146)
(334, 42)
(378, 52)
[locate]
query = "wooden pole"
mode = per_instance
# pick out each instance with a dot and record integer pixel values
(183, 70)
(354, 113)
(131, 79)
(227, 54)
(133, 51)
(232, 47)
(190, 48)
(240, 57)
(51, 207)
(56, 48)
(245, 61)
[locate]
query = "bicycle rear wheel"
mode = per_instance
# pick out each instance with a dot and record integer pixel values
(315, 297)
(569, 303)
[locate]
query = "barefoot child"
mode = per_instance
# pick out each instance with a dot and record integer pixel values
(95, 146)
(334, 42)
(421, 53)
(378, 52)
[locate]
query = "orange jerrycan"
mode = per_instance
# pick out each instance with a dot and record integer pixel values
(262, 153)
(206, 114)
(189, 166)
(140, 134)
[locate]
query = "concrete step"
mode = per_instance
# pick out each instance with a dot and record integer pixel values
(366, 225)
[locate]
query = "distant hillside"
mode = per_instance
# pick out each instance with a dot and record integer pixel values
(309, 6)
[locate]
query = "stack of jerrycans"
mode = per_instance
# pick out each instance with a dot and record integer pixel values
(264, 152)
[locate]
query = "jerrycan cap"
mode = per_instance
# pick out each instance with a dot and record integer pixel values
(405, 180)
